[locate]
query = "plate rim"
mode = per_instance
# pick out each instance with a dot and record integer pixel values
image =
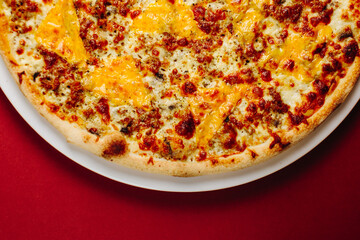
(170, 183)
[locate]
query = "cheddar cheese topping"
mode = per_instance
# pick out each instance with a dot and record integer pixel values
(59, 32)
(164, 16)
(121, 82)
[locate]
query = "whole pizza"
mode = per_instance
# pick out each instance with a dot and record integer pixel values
(183, 87)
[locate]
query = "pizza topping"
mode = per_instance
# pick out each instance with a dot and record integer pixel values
(163, 16)
(185, 80)
(265, 75)
(350, 51)
(149, 143)
(324, 17)
(284, 13)
(121, 82)
(186, 127)
(345, 34)
(296, 120)
(188, 87)
(103, 108)
(289, 65)
(20, 76)
(320, 49)
(59, 32)
(277, 140)
(76, 95)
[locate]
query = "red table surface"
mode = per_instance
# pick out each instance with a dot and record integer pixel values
(44, 195)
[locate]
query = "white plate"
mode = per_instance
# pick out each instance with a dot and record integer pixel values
(168, 183)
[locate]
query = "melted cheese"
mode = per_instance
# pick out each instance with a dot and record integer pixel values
(246, 26)
(260, 3)
(59, 32)
(247, 14)
(299, 48)
(156, 18)
(162, 16)
(4, 42)
(241, 6)
(238, 6)
(219, 107)
(121, 82)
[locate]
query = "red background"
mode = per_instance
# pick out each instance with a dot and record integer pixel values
(44, 195)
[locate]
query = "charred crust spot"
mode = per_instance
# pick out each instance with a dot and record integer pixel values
(159, 75)
(116, 148)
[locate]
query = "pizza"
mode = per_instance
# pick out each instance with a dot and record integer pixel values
(183, 87)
